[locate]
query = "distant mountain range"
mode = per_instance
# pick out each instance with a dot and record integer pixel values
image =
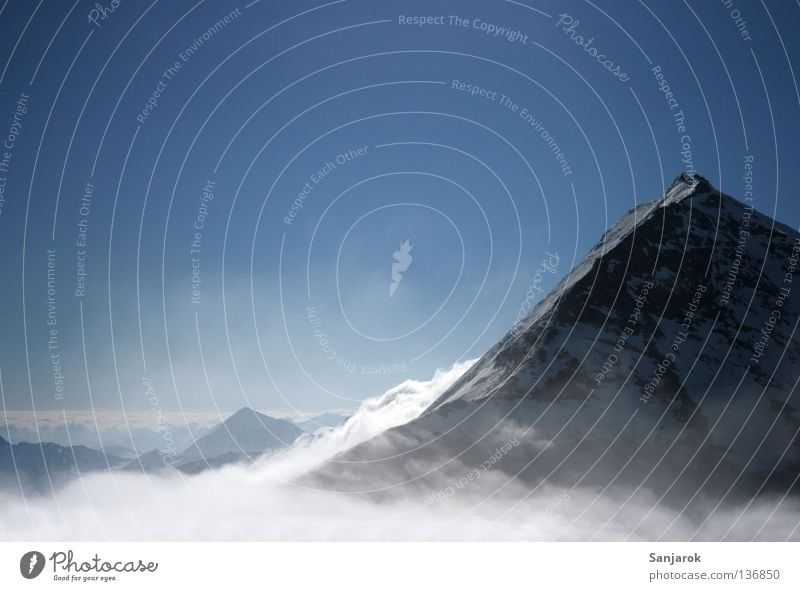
(242, 437)
(40, 467)
(102, 437)
(666, 361)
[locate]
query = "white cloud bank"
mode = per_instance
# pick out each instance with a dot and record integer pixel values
(242, 503)
(396, 406)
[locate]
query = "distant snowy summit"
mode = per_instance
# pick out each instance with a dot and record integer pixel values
(665, 361)
(242, 437)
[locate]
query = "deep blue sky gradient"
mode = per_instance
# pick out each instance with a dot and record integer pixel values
(286, 87)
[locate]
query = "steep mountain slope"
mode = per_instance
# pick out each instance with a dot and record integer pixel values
(666, 361)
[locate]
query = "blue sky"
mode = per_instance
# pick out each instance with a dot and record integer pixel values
(297, 145)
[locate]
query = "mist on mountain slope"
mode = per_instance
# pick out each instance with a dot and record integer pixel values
(260, 502)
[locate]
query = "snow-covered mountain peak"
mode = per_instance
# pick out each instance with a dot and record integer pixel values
(672, 343)
(685, 185)
(686, 188)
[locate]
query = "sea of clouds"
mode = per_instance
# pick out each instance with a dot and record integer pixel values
(261, 501)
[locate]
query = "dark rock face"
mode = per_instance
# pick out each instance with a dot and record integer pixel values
(667, 360)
